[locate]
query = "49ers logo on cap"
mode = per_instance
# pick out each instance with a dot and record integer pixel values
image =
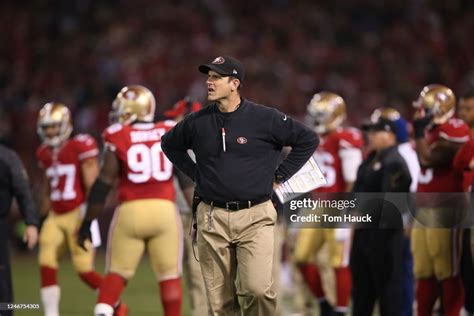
(219, 60)
(242, 140)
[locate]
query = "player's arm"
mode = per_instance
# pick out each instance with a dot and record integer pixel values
(98, 193)
(45, 202)
(89, 172)
(439, 154)
(102, 185)
(351, 158)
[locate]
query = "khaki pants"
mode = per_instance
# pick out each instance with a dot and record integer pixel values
(146, 224)
(236, 256)
(59, 234)
(196, 289)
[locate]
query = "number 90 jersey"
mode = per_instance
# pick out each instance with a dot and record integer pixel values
(145, 171)
(63, 169)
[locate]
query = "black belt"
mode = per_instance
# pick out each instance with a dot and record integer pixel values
(234, 205)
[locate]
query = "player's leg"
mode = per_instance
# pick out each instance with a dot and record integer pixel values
(52, 243)
(124, 251)
(83, 260)
(423, 269)
(339, 242)
(194, 280)
(217, 260)
(445, 247)
(165, 248)
(308, 243)
(253, 232)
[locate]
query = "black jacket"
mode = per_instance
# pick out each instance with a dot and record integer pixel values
(14, 183)
(254, 137)
(382, 172)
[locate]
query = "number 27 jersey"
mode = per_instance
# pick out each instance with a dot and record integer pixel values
(63, 169)
(145, 171)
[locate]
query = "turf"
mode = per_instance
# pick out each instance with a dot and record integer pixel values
(141, 294)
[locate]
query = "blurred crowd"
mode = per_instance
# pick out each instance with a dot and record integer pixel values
(81, 52)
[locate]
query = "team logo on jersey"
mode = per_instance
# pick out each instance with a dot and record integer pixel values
(242, 140)
(219, 60)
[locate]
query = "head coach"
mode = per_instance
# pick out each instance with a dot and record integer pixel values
(237, 144)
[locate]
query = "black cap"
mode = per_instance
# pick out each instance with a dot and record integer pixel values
(381, 124)
(225, 66)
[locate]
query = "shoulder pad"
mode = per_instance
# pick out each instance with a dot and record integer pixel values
(455, 130)
(84, 138)
(114, 128)
(349, 137)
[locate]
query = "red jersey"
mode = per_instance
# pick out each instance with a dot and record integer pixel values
(328, 156)
(447, 179)
(462, 160)
(63, 169)
(145, 171)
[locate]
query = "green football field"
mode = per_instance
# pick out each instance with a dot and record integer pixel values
(141, 294)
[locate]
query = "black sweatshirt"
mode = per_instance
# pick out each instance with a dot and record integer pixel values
(385, 171)
(14, 182)
(254, 137)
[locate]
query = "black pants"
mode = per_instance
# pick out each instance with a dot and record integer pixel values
(467, 271)
(6, 289)
(376, 266)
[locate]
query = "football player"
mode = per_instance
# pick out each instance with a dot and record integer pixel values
(147, 217)
(464, 157)
(194, 279)
(435, 250)
(338, 156)
(70, 168)
(465, 160)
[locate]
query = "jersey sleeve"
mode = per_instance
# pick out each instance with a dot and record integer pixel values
(350, 138)
(464, 156)
(110, 136)
(350, 142)
(86, 146)
(455, 130)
